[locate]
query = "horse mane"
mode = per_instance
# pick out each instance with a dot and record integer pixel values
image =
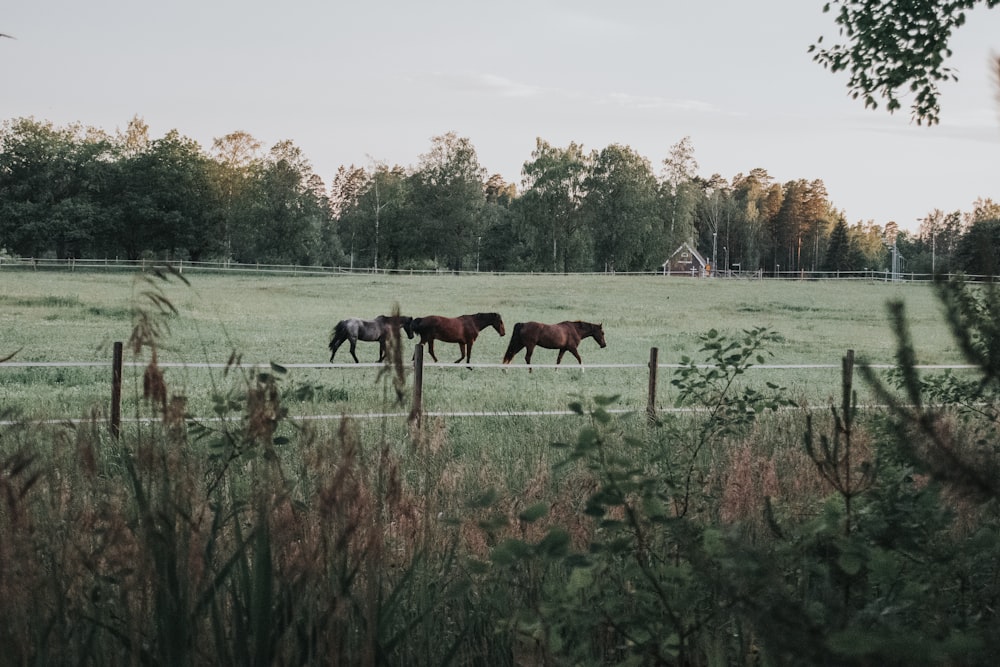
(489, 317)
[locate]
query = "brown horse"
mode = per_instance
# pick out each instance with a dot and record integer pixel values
(564, 337)
(462, 330)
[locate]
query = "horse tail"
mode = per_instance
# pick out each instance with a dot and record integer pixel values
(338, 334)
(515, 343)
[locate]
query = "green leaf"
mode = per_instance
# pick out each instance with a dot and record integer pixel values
(555, 544)
(580, 580)
(850, 563)
(534, 512)
(484, 499)
(588, 438)
(509, 552)
(492, 524)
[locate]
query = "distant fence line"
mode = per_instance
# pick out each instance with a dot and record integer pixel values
(116, 264)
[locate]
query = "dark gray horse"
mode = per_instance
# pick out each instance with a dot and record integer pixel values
(354, 329)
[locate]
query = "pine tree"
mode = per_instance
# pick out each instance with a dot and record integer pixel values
(838, 249)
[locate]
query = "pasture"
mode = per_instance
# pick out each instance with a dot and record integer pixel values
(266, 539)
(57, 317)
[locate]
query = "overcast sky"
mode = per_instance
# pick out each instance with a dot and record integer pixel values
(363, 82)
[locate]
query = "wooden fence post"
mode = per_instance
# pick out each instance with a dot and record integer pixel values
(416, 412)
(116, 391)
(651, 401)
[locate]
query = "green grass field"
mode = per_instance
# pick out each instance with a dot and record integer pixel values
(187, 539)
(57, 317)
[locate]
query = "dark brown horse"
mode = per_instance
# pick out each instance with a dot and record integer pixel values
(462, 330)
(565, 337)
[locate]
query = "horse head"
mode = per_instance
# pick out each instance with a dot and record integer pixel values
(597, 331)
(497, 322)
(407, 323)
(395, 323)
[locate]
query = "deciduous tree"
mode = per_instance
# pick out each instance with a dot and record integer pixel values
(621, 206)
(550, 206)
(891, 49)
(449, 197)
(160, 198)
(49, 179)
(237, 154)
(286, 214)
(680, 194)
(979, 249)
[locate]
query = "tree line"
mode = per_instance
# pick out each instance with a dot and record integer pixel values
(81, 192)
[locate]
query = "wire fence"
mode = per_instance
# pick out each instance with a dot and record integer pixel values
(142, 265)
(513, 367)
(652, 407)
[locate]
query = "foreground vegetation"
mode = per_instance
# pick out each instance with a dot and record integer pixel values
(739, 534)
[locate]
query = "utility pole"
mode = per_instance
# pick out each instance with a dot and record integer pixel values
(715, 245)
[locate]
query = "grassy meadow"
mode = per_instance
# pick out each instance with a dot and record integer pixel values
(56, 317)
(235, 523)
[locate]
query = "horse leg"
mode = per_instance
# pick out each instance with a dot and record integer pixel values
(528, 350)
(354, 343)
(576, 354)
(430, 349)
(462, 352)
(381, 349)
(559, 357)
(337, 342)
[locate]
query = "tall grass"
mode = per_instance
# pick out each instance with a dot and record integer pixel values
(255, 539)
(705, 537)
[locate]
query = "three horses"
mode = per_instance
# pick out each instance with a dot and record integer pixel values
(564, 336)
(354, 329)
(462, 330)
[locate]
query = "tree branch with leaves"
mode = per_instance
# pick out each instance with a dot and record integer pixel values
(892, 49)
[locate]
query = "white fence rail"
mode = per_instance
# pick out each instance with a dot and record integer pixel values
(116, 264)
(418, 366)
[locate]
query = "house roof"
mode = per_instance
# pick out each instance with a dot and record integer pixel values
(691, 249)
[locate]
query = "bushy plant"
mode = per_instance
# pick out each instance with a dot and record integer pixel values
(649, 587)
(898, 565)
(251, 539)
(239, 540)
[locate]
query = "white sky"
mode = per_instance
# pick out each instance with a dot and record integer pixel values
(362, 82)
